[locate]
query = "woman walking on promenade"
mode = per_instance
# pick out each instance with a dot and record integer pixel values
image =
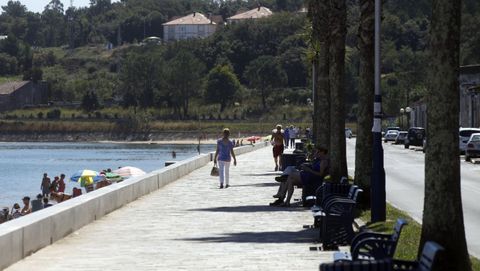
(224, 153)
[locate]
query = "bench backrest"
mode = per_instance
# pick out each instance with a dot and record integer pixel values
(429, 252)
(398, 229)
(374, 265)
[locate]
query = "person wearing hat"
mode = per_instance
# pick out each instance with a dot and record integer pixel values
(278, 147)
(224, 153)
(26, 206)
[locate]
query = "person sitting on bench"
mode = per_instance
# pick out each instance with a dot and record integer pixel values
(314, 173)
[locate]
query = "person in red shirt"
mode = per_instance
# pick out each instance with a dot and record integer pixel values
(61, 184)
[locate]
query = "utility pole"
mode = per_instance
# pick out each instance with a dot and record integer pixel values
(378, 197)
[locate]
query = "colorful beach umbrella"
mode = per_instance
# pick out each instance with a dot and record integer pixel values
(127, 172)
(113, 177)
(86, 177)
(253, 138)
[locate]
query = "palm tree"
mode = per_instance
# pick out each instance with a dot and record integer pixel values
(443, 215)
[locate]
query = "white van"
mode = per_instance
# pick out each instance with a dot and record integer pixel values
(464, 136)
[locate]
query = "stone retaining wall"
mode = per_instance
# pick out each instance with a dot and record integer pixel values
(23, 236)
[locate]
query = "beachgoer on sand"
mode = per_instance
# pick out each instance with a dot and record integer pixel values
(224, 153)
(45, 185)
(26, 206)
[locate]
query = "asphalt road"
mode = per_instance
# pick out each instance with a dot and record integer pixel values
(404, 170)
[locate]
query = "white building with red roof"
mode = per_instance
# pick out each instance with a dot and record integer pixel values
(256, 13)
(194, 25)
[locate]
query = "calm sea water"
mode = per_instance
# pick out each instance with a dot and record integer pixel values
(22, 164)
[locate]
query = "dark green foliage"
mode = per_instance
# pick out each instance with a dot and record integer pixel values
(90, 102)
(222, 85)
(54, 114)
(265, 74)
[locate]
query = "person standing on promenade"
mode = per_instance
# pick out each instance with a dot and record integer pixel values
(293, 134)
(286, 136)
(45, 185)
(61, 183)
(224, 153)
(277, 141)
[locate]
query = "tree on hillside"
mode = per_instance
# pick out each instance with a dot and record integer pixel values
(337, 89)
(141, 76)
(364, 146)
(221, 86)
(443, 215)
(318, 12)
(184, 79)
(265, 74)
(53, 19)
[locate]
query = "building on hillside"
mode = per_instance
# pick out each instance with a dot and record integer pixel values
(19, 94)
(255, 13)
(469, 83)
(195, 25)
(3, 37)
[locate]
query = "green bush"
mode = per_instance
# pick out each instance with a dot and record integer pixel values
(54, 114)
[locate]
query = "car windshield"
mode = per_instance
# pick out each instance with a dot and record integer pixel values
(475, 138)
(468, 133)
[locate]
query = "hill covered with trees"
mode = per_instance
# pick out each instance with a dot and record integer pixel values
(243, 70)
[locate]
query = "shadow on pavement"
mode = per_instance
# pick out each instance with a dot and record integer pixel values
(251, 209)
(304, 236)
(263, 174)
(270, 184)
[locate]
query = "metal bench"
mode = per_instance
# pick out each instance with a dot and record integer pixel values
(336, 221)
(372, 245)
(425, 263)
(378, 265)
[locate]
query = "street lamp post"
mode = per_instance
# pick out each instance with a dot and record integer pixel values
(402, 112)
(378, 195)
(408, 110)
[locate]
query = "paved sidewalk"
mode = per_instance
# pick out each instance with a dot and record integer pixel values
(192, 225)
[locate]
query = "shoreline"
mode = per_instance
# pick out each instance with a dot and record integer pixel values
(163, 138)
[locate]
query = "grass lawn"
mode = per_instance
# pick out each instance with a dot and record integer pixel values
(410, 238)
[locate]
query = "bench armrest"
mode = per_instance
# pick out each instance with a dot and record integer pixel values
(373, 248)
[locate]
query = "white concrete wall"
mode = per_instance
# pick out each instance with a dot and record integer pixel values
(23, 236)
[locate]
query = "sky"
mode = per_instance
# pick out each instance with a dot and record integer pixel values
(39, 5)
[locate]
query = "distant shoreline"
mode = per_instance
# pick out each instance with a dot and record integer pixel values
(164, 138)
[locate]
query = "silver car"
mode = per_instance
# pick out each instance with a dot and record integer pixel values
(391, 135)
(472, 149)
(464, 136)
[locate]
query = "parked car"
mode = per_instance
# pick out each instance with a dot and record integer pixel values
(348, 133)
(384, 132)
(415, 137)
(464, 136)
(391, 135)
(473, 147)
(400, 139)
(393, 128)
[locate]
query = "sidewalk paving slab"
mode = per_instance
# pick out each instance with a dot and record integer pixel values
(191, 224)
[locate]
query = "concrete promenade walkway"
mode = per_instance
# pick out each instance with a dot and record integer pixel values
(192, 225)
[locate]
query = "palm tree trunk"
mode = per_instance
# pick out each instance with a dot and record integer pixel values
(337, 89)
(443, 214)
(364, 145)
(318, 12)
